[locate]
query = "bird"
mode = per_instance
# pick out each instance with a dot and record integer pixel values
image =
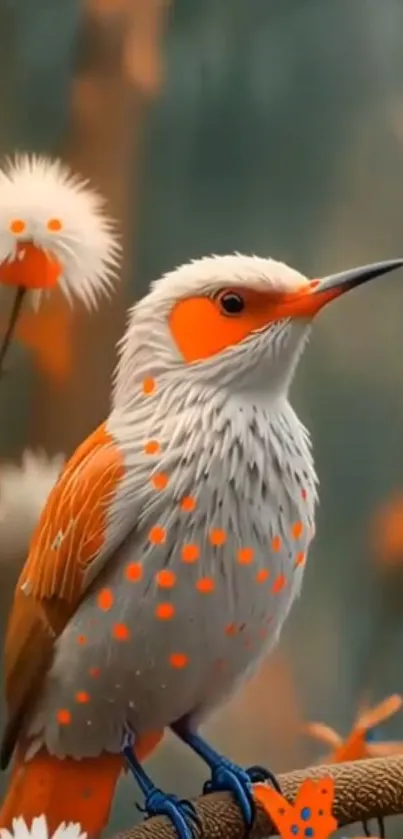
(170, 550)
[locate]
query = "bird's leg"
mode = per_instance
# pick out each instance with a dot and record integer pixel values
(225, 775)
(181, 813)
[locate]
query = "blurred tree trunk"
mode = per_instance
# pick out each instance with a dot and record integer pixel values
(118, 72)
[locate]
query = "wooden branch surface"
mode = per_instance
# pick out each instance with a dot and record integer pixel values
(365, 790)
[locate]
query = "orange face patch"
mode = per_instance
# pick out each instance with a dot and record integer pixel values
(202, 328)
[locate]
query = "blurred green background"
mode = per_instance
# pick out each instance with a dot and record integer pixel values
(276, 128)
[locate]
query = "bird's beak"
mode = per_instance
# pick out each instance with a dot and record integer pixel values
(307, 302)
(32, 268)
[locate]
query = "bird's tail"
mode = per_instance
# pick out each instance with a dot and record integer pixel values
(64, 790)
(67, 790)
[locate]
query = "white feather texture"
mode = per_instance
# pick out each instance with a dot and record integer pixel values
(37, 190)
(24, 489)
(39, 830)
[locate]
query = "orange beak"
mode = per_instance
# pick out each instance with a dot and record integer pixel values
(306, 302)
(32, 268)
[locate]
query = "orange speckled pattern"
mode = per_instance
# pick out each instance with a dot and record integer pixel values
(205, 574)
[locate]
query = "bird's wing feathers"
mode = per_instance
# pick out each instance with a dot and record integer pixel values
(68, 548)
(72, 529)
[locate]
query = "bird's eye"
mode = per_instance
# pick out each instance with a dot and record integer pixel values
(231, 303)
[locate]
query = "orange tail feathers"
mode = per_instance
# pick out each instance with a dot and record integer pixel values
(67, 790)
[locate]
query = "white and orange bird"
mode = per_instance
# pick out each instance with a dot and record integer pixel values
(54, 234)
(172, 547)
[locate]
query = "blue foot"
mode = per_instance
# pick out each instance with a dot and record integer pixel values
(181, 813)
(227, 776)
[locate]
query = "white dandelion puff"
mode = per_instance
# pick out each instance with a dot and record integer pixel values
(53, 230)
(24, 488)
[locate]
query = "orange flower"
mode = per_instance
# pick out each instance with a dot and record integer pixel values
(310, 815)
(356, 746)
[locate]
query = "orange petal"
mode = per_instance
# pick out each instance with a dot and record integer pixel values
(380, 712)
(386, 748)
(324, 733)
(312, 808)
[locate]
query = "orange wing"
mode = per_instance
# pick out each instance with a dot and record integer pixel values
(68, 540)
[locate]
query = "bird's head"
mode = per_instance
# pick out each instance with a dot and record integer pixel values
(228, 321)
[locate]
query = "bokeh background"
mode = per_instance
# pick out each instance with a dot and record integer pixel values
(265, 126)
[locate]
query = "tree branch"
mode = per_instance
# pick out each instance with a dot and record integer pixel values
(365, 790)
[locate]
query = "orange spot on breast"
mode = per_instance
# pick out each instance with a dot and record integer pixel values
(300, 559)
(165, 611)
(157, 535)
(149, 386)
(165, 578)
(178, 660)
(296, 529)
(190, 553)
(81, 640)
(82, 697)
(134, 572)
(231, 629)
(188, 504)
(121, 632)
(159, 480)
(105, 599)
(63, 716)
(262, 575)
(245, 556)
(217, 536)
(152, 447)
(276, 544)
(95, 672)
(205, 585)
(279, 584)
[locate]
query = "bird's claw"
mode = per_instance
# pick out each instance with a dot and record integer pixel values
(261, 775)
(181, 813)
(229, 777)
